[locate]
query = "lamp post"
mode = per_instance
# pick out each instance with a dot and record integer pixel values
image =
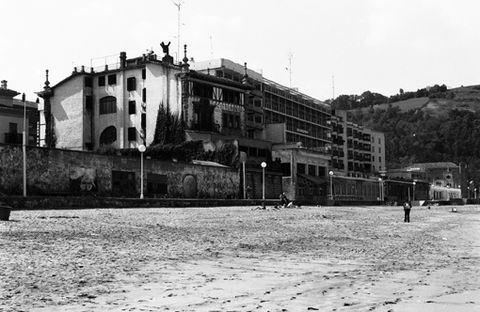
(24, 146)
(264, 165)
(380, 189)
(413, 193)
(470, 188)
(141, 149)
(330, 173)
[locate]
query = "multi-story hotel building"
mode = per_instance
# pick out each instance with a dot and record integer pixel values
(356, 151)
(295, 122)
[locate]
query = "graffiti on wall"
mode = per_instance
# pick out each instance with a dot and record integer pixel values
(82, 179)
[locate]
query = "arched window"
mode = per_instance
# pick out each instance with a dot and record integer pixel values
(108, 136)
(108, 105)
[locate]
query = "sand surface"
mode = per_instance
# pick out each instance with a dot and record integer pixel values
(238, 259)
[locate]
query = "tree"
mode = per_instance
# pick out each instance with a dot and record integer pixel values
(170, 128)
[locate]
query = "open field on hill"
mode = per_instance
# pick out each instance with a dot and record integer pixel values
(239, 259)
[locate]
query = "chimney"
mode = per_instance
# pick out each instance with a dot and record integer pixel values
(123, 60)
(4, 84)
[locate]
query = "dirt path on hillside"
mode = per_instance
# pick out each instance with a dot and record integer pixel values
(235, 259)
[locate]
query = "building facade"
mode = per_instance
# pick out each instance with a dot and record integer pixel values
(296, 123)
(12, 118)
(116, 105)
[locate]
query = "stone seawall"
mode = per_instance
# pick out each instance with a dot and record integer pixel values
(66, 172)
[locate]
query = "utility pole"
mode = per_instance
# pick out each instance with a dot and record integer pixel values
(24, 146)
(178, 5)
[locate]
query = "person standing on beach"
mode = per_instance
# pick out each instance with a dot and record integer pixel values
(407, 206)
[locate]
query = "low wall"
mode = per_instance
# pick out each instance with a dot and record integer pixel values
(56, 171)
(85, 202)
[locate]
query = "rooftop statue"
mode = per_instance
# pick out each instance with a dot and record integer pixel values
(165, 47)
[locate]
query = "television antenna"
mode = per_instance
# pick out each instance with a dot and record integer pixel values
(289, 68)
(178, 4)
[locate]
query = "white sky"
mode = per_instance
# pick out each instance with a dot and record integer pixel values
(375, 45)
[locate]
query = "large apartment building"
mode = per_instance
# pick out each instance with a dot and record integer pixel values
(356, 151)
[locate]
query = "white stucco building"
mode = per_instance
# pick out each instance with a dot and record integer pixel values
(115, 105)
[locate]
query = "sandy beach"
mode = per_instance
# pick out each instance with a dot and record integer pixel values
(239, 259)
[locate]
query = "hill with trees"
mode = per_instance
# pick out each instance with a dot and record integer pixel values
(430, 125)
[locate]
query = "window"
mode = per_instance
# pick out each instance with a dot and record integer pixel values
(112, 79)
(231, 120)
(101, 81)
(380, 150)
(89, 102)
(236, 123)
(312, 170)
(202, 90)
(144, 74)
(88, 82)
(13, 127)
(108, 105)
(108, 136)
(144, 95)
(132, 134)
(373, 158)
(300, 168)
(131, 84)
(379, 159)
(285, 169)
(258, 119)
(322, 171)
(379, 141)
(132, 107)
(231, 96)
(144, 121)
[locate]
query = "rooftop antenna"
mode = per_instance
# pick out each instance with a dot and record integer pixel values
(290, 57)
(178, 5)
(333, 87)
(211, 47)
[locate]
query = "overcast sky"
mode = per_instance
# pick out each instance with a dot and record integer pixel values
(375, 45)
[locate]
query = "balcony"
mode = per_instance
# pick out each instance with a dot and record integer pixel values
(13, 138)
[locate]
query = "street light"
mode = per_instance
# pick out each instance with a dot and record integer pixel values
(264, 165)
(380, 189)
(141, 149)
(413, 195)
(330, 173)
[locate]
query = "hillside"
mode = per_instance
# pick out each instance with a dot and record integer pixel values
(462, 98)
(442, 127)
